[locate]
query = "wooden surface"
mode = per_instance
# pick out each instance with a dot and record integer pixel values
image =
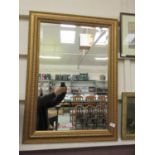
(109, 150)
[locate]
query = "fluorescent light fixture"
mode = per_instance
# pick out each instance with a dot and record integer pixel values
(98, 29)
(68, 26)
(101, 58)
(49, 57)
(67, 36)
(86, 40)
(87, 27)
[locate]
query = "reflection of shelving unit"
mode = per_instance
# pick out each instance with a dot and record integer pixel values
(45, 86)
(93, 87)
(84, 87)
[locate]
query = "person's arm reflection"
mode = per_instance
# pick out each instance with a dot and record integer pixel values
(48, 101)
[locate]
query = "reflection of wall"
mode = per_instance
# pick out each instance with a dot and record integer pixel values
(101, 8)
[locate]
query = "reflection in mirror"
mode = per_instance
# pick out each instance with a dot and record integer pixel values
(76, 58)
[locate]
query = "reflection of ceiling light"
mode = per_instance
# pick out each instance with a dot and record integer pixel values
(103, 40)
(101, 58)
(49, 57)
(98, 29)
(104, 29)
(66, 25)
(86, 40)
(87, 27)
(67, 36)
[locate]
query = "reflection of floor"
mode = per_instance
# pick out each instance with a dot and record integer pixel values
(67, 120)
(64, 122)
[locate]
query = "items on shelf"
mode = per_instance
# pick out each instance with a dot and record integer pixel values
(44, 76)
(101, 90)
(76, 84)
(92, 89)
(80, 77)
(102, 77)
(65, 77)
(76, 91)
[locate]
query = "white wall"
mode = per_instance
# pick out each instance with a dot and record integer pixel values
(100, 8)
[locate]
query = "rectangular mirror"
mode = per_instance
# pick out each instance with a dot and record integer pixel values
(79, 54)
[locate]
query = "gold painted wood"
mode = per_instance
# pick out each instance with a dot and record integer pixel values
(30, 135)
(125, 135)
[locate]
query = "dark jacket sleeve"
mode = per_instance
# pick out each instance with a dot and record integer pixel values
(45, 102)
(51, 100)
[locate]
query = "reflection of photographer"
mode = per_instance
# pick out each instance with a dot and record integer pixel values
(49, 101)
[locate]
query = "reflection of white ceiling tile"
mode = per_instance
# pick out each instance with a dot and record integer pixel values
(86, 39)
(69, 52)
(67, 36)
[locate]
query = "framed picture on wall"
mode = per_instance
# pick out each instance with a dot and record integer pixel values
(128, 115)
(127, 35)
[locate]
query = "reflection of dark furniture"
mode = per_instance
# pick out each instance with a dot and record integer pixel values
(54, 120)
(79, 116)
(90, 117)
(100, 116)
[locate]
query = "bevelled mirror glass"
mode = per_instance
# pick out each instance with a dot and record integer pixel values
(72, 78)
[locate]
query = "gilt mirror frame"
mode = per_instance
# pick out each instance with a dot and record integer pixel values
(30, 134)
(125, 109)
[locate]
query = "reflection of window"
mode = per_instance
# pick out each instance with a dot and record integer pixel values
(101, 38)
(67, 36)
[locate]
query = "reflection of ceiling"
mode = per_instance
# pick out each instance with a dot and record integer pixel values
(70, 53)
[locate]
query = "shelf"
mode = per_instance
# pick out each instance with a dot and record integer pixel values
(72, 81)
(80, 87)
(80, 81)
(44, 80)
